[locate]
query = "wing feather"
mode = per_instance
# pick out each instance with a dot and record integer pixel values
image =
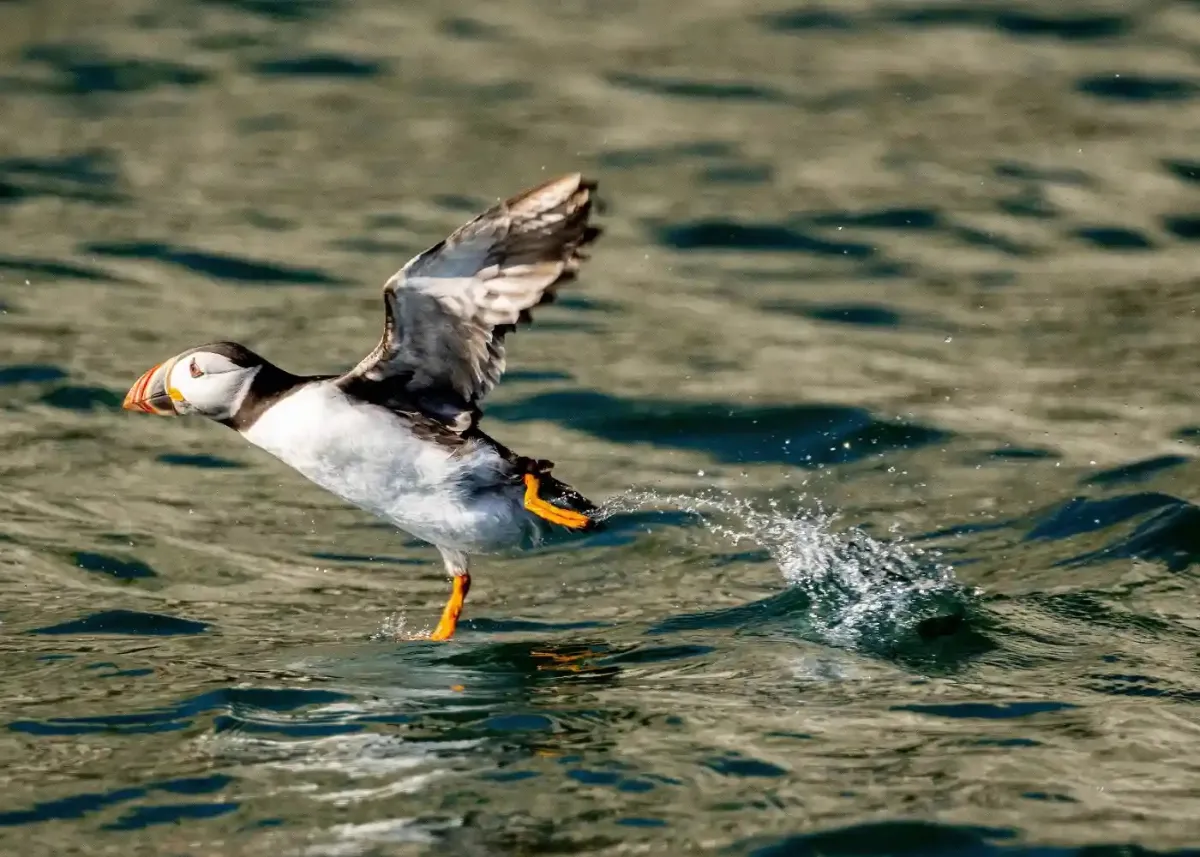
(449, 308)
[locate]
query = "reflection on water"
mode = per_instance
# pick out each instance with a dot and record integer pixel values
(883, 373)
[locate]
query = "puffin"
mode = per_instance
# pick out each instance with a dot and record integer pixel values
(399, 434)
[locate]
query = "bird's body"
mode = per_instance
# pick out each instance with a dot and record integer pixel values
(398, 435)
(459, 497)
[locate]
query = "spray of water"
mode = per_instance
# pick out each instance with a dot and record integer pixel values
(858, 592)
(861, 592)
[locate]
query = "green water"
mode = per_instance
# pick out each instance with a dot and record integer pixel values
(884, 372)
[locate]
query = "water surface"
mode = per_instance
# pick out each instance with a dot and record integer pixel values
(885, 371)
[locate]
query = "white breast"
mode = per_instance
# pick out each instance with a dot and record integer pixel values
(369, 457)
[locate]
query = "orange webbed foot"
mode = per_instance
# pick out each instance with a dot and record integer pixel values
(453, 609)
(548, 511)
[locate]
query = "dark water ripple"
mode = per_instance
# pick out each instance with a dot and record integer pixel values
(806, 436)
(52, 270)
(30, 374)
(1183, 226)
(125, 622)
(280, 10)
(1009, 20)
(1137, 471)
(90, 176)
(80, 397)
(852, 314)
(752, 237)
(80, 805)
(122, 569)
(1187, 171)
(915, 837)
(1118, 86)
(219, 266)
(1170, 537)
(1115, 238)
(203, 461)
(320, 65)
(86, 70)
(697, 89)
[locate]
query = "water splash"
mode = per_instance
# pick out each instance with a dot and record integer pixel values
(862, 593)
(395, 627)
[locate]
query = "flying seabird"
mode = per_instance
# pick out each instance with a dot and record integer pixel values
(398, 435)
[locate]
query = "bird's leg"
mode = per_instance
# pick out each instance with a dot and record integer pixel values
(456, 566)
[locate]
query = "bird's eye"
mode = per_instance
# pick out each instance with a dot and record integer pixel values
(195, 369)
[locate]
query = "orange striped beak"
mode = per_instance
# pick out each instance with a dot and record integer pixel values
(149, 393)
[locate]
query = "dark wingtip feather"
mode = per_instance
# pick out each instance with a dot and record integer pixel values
(537, 237)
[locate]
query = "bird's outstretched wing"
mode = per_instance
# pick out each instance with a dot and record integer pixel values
(448, 309)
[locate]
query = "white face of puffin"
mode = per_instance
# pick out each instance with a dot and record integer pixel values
(194, 382)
